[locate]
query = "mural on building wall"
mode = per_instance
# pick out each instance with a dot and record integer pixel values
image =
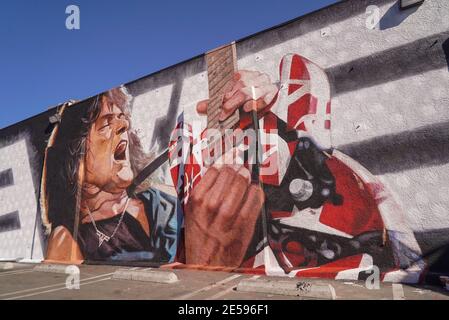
(296, 206)
(238, 161)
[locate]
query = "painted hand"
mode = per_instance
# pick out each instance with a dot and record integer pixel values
(250, 89)
(220, 217)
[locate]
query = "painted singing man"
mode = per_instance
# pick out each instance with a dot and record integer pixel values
(92, 157)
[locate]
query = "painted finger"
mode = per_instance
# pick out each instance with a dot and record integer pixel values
(229, 86)
(232, 202)
(217, 191)
(253, 204)
(256, 105)
(206, 183)
(266, 93)
(270, 96)
(245, 173)
(201, 106)
(259, 81)
(238, 85)
(258, 92)
(237, 100)
(247, 76)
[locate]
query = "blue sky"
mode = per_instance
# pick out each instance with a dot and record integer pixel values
(43, 64)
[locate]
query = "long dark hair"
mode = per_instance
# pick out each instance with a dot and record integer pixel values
(61, 187)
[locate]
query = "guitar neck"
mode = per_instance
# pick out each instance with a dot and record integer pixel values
(221, 66)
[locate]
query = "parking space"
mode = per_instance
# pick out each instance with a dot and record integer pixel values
(22, 282)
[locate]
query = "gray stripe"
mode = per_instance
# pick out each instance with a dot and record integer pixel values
(424, 146)
(416, 57)
(6, 178)
(9, 221)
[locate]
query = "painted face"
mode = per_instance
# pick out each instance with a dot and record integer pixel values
(107, 160)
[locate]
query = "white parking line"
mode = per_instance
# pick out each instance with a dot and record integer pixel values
(225, 292)
(7, 273)
(206, 288)
(398, 291)
(333, 292)
(53, 290)
(52, 285)
(222, 293)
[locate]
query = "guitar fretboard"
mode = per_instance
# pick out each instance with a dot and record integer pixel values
(221, 66)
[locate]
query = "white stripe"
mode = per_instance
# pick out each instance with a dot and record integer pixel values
(310, 219)
(253, 93)
(333, 293)
(53, 290)
(14, 272)
(299, 81)
(282, 103)
(225, 292)
(191, 294)
(309, 118)
(221, 293)
(49, 286)
(366, 264)
(398, 291)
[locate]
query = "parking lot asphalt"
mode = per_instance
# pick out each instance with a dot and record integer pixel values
(22, 281)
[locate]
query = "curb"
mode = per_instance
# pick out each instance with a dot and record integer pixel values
(145, 275)
(6, 265)
(54, 268)
(288, 288)
(30, 261)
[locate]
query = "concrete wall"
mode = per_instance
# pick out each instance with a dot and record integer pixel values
(383, 87)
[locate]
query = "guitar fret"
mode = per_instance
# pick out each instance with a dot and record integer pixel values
(225, 76)
(225, 72)
(221, 64)
(214, 56)
(221, 69)
(212, 65)
(214, 112)
(214, 104)
(216, 86)
(213, 124)
(225, 60)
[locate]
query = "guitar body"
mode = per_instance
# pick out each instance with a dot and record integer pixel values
(339, 222)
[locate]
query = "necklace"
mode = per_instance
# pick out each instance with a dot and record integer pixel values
(102, 237)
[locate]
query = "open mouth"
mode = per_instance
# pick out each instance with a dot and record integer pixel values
(120, 150)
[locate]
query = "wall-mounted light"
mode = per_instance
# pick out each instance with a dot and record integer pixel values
(56, 118)
(405, 4)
